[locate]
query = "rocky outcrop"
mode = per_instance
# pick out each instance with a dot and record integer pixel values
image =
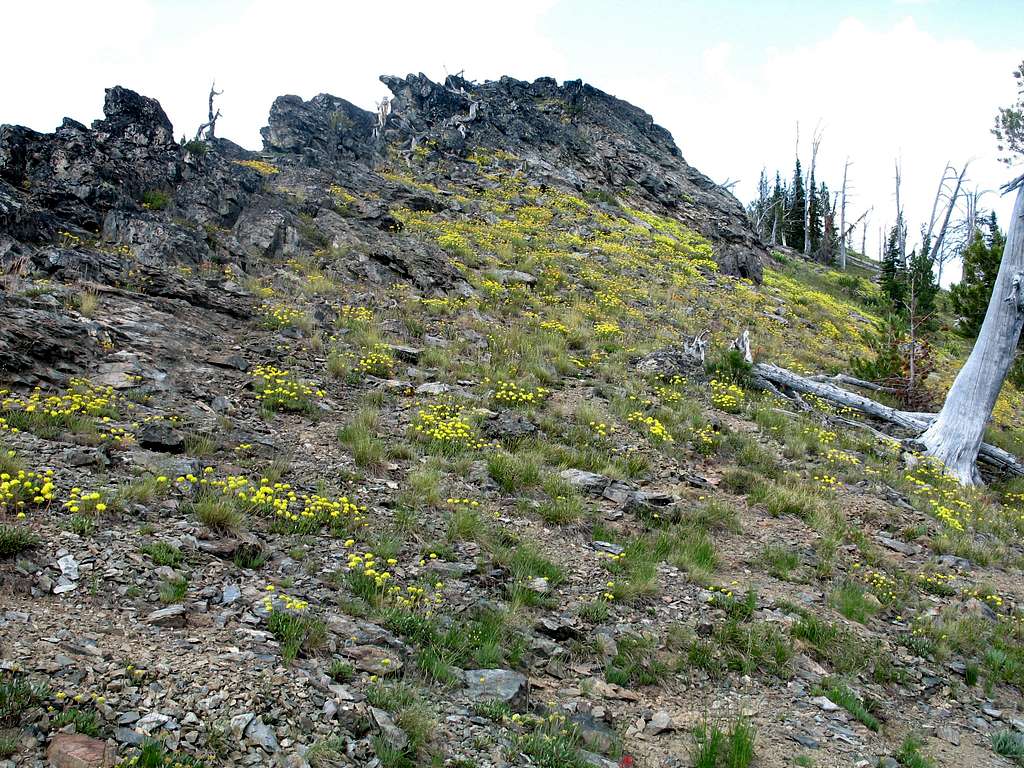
(323, 129)
(576, 137)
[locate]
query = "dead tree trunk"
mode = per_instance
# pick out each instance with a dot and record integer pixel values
(809, 192)
(210, 126)
(784, 379)
(940, 259)
(955, 436)
(842, 220)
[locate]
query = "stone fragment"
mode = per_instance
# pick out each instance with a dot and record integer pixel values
(660, 722)
(171, 616)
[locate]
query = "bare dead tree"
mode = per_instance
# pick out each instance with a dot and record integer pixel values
(210, 126)
(943, 205)
(383, 110)
(842, 219)
(901, 234)
(809, 190)
(956, 434)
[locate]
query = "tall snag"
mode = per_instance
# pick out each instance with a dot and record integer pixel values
(955, 436)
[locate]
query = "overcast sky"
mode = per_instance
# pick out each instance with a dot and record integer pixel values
(918, 80)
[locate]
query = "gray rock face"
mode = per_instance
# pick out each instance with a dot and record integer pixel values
(497, 684)
(323, 128)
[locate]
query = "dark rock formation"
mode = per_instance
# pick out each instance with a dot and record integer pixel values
(577, 137)
(324, 129)
(123, 203)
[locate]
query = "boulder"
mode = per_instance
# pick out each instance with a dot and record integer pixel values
(502, 685)
(76, 750)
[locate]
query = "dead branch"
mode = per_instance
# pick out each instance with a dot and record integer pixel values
(210, 125)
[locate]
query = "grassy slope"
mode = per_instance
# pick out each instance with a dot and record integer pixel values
(798, 509)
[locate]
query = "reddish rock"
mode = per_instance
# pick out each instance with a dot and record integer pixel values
(74, 750)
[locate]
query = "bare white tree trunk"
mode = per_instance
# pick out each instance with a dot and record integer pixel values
(842, 220)
(809, 191)
(955, 436)
(901, 234)
(940, 239)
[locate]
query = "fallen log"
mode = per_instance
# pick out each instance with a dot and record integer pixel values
(783, 379)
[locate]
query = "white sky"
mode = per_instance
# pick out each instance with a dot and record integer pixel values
(917, 80)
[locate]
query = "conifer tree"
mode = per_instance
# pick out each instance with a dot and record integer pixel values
(893, 270)
(969, 298)
(778, 203)
(795, 209)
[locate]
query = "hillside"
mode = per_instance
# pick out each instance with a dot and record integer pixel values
(352, 452)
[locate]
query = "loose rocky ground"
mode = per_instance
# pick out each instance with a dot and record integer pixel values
(346, 454)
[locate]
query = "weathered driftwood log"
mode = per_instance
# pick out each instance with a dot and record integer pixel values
(842, 378)
(783, 379)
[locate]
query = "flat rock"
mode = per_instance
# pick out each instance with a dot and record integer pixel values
(171, 616)
(406, 354)
(559, 627)
(497, 684)
(902, 547)
(805, 740)
(514, 277)
(660, 722)
(825, 704)
(510, 426)
(387, 728)
(373, 659)
(68, 567)
(262, 734)
(161, 438)
(432, 388)
(607, 546)
(76, 750)
(585, 481)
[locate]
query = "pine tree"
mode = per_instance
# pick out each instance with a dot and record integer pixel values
(815, 217)
(920, 286)
(829, 242)
(821, 208)
(795, 210)
(969, 298)
(760, 209)
(778, 203)
(893, 271)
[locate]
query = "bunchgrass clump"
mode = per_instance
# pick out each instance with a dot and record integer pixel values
(733, 747)
(909, 754)
(359, 436)
(1009, 744)
(297, 631)
(341, 671)
(854, 602)
(217, 513)
(550, 742)
(839, 693)
(636, 662)
(780, 560)
(162, 553)
(15, 539)
(153, 754)
(17, 695)
(173, 591)
(85, 721)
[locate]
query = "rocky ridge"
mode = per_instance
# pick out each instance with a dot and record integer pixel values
(416, 344)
